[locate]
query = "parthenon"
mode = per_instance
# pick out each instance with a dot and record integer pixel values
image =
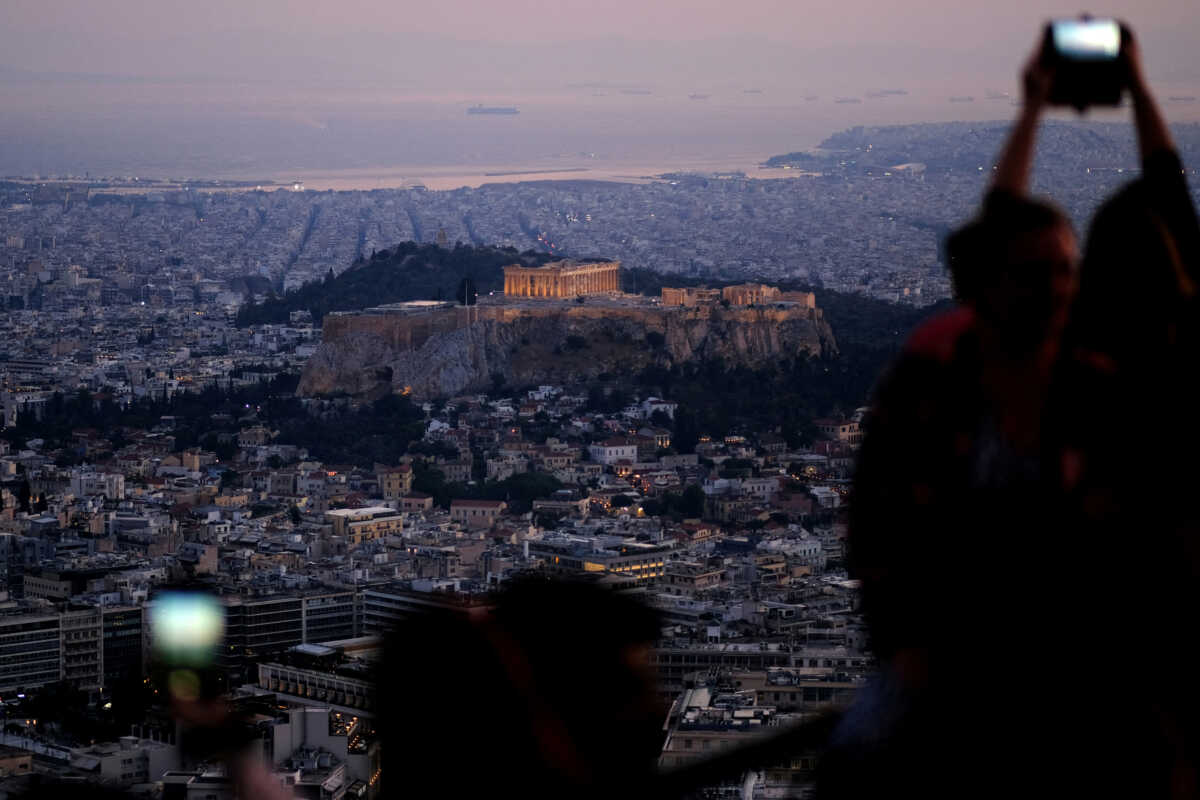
(563, 279)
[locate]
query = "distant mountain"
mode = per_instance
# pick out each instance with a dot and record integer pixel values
(1072, 147)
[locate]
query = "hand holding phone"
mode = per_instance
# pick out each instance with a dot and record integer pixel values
(187, 627)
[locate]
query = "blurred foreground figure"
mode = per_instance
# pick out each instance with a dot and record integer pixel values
(987, 584)
(548, 695)
(1132, 345)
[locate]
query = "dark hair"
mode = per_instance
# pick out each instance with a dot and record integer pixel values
(983, 248)
(1134, 266)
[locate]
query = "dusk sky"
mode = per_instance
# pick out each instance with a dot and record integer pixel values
(430, 43)
(294, 85)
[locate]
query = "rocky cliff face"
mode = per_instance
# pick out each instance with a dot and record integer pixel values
(450, 350)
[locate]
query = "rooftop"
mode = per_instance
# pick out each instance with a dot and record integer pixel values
(356, 513)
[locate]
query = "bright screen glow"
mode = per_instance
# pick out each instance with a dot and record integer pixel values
(1093, 40)
(186, 627)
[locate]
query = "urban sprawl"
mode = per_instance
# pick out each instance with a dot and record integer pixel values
(126, 300)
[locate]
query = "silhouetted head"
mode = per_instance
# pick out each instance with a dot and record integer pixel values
(549, 693)
(1134, 287)
(1015, 265)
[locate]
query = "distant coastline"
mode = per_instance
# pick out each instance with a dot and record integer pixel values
(533, 172)
(561, 164)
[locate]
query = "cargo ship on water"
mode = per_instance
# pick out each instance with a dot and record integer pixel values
(482, 109)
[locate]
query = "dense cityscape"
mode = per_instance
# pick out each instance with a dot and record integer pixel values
(151, 435)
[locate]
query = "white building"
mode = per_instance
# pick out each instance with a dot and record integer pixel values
(613, 450)
(652, 404)
(325, 730)
(127, 761)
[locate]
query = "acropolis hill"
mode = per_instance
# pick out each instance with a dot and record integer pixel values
(540, 333)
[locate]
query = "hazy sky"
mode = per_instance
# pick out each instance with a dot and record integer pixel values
(223, 86)
(467, 43)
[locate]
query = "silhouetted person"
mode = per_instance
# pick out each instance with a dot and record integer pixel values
(548, 695)
(954, 492)
(988, 525)
(1132, 346)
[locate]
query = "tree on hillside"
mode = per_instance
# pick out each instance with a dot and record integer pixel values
(692, 501)
(408, 271)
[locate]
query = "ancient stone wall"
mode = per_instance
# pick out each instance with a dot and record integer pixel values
(457, 349)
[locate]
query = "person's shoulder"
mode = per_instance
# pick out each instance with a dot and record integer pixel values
(932, 357)
(940, 338)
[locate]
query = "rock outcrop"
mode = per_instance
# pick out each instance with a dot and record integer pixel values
(444, 350)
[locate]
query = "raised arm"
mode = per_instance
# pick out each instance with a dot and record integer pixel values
(1153, 135)
(1163, 174)
(1015, 164)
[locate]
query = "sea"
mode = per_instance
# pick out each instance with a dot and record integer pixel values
(351, 139)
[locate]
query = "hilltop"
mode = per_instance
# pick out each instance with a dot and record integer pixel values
(857, 338)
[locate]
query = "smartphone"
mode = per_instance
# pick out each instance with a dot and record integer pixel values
(1086, 56)
(186, 628)
(1086, 39)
